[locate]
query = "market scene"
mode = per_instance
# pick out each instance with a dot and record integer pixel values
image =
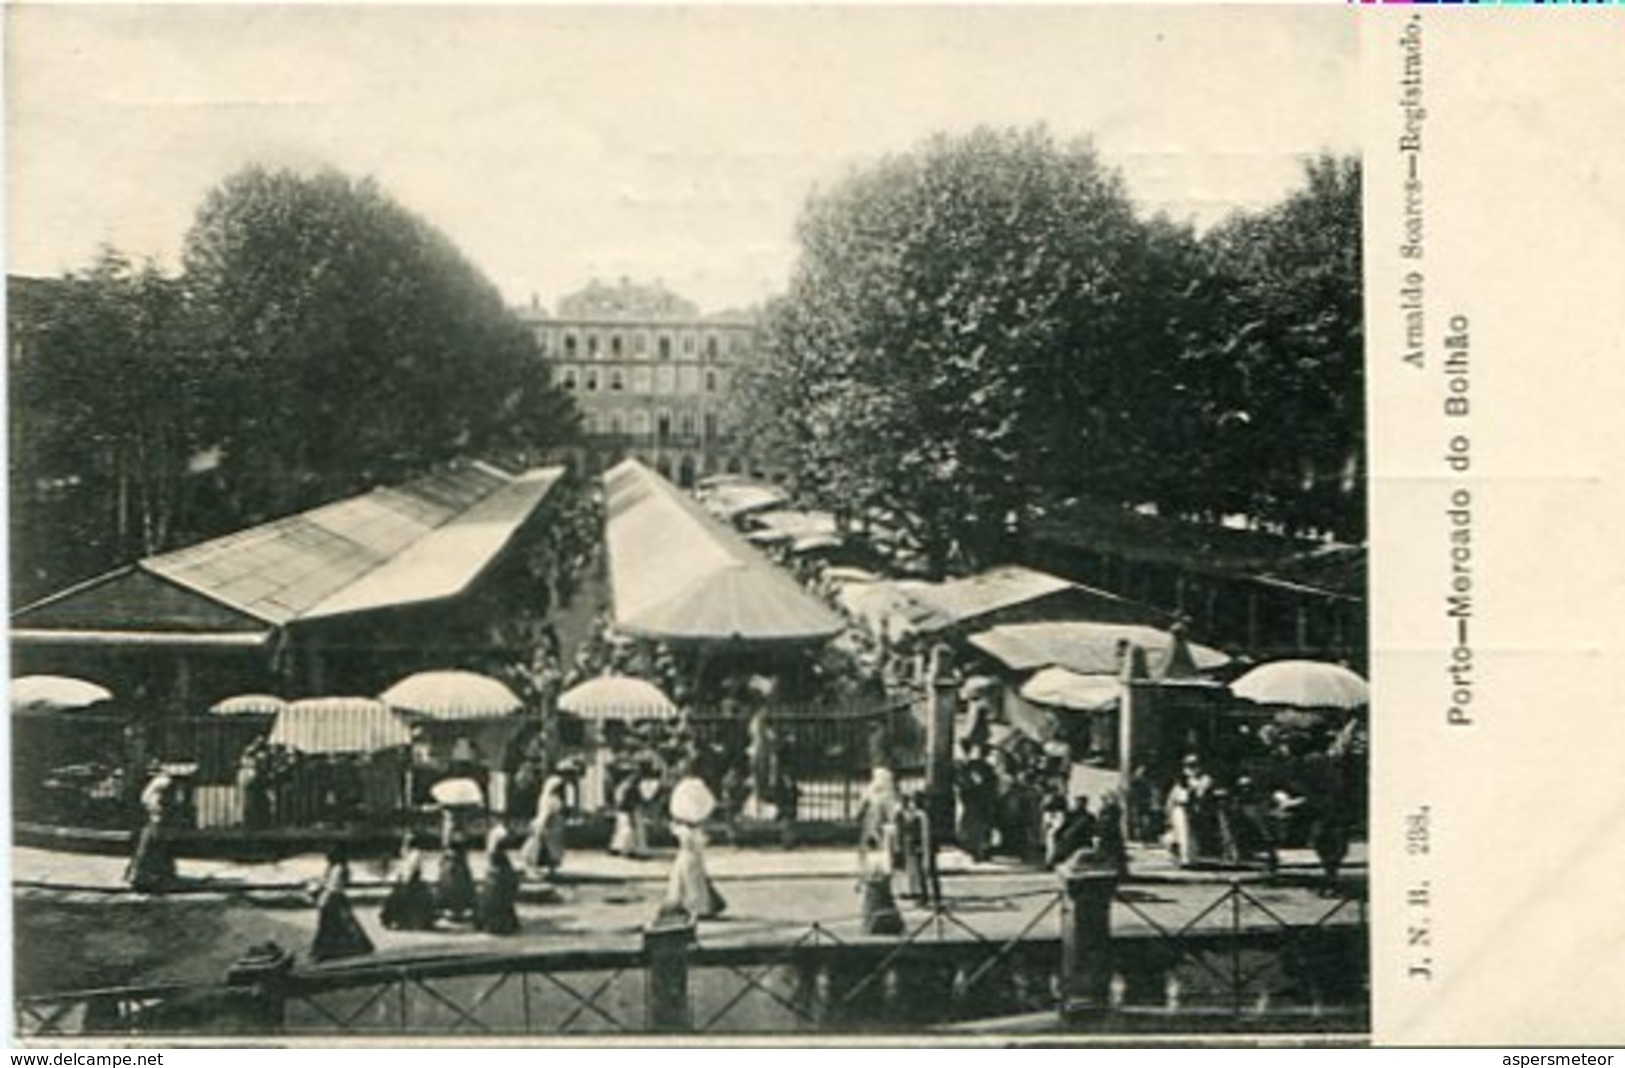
(969, 637)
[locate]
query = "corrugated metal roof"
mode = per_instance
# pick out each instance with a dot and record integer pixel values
(678, 574)
(1085, 648)
(424, 540)
(446, 560)
(965, 599)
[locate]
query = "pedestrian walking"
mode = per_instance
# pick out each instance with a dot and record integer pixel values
(152, 868)
(545, 846)
(689, 890)
(410, 903)
(454, 893)
(978, 792)
(338, 933)
(631, 836)
(497, 909)
(921, 880)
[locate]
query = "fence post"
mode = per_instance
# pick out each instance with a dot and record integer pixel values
(259, 982)
(942, 705)
(666, 1007)
(1086, 936)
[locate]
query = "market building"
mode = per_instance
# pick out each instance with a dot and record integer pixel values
(651, 374)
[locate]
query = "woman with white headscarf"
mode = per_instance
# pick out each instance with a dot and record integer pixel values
(690, 890)
(545, 846)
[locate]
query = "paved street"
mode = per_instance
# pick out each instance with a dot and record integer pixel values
(77, 927)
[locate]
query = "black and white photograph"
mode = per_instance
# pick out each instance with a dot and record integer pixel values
(550, 523)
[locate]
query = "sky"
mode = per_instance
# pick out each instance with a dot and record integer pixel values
(556, 144)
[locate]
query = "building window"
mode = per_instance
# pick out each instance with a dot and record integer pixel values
(710, 425)
(569, 378)
(639, 343)
(616, 382)
(711, 347)
(615, 345)
(663, 346)
(663, 426)
(685, 424)
(592, 380)
(569, 346)
(640, 423)
(710, 381)
(592, 345)
(688, 344)
(615, 425)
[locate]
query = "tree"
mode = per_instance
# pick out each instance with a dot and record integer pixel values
(953, 312)
(102, 404)
(350, 344)
(1287, 348)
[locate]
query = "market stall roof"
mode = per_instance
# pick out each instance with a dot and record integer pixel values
(729, 500)
(961, 601)
(422, 541)
(678, 574)
(1085, 648)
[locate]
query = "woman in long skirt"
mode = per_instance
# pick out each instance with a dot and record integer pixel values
(499, 893)
(545, 846)
(338, 932)
(630, 838)
(152, 869)
(410, 904)
(454, 896)
(690, 889)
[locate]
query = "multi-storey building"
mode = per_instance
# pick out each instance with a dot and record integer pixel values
(650, 374)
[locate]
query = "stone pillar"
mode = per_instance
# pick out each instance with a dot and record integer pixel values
(942, 698)
(258, 981)
(666, 1008)
(1086, 935)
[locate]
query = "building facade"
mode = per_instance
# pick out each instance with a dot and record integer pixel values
(652, 377)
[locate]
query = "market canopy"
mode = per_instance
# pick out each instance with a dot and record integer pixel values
(740, 497)
(328, 725)
(423, 541)
(1087, 648)
(679, 574)
(1024, 590)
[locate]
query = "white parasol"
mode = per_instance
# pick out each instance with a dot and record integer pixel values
(1303, 684)
(617, 697)
(55, 693)
(249, 704)
(452, 695)
(458, 793)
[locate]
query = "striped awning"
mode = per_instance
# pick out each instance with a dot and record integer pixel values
(325, 725)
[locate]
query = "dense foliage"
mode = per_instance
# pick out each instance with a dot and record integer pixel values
(321, 339)
(983, 327)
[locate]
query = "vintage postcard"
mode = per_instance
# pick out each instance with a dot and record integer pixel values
(722, 523)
